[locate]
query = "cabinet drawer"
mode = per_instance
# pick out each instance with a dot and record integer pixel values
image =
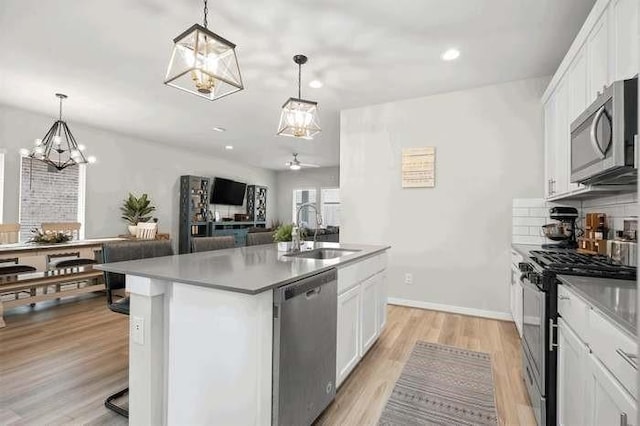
(359, 271)
(574, 311)
(615, 349)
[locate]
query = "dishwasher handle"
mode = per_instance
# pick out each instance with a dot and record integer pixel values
(310, 287)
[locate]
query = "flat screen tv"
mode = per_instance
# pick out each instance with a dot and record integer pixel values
(228, 192)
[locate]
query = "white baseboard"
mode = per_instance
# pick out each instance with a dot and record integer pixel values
(503, 316)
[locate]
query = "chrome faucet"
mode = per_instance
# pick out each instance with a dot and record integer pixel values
(296, 242)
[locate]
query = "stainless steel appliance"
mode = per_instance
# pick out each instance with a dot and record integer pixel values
(603, 137)
(540, 319)
(564, 230)
(304, 348)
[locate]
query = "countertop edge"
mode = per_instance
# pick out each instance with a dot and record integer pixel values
(105, 267)
(625, 326)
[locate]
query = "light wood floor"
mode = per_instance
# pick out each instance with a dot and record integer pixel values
(59, 361)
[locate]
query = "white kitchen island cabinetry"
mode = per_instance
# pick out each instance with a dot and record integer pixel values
(362, 303)
(201, 339)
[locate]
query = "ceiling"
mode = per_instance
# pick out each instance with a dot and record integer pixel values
(110, 58)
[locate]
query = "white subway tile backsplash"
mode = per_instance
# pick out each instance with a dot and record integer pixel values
(529, 221)
(520, 230)
(535, 231)
(523, 239)
(528, 202)
(539, 212)
(520, 212)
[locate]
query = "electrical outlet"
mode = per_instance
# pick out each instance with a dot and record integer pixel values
(408, 278)
(137, 330)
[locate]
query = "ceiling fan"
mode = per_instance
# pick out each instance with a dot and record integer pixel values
(297, 165)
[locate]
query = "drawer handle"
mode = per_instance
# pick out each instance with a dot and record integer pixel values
(630, 358)
(564, 298)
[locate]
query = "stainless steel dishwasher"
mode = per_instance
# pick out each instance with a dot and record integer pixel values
(304, 348)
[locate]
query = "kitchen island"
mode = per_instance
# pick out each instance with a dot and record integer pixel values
(201, 327)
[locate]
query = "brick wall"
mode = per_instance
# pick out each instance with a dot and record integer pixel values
(46, 195)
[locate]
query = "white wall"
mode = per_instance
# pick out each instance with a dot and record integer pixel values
(288, 180)
(454, 238)
(125, 164)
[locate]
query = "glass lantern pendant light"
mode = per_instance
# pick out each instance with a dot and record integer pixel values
(203, 63)
(58, 148)
(299, 117)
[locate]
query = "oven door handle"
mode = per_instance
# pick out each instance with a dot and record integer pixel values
(594, 132)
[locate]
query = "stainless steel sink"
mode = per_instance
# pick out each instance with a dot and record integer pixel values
(323, 253)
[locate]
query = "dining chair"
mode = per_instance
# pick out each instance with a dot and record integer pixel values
(9, 233)
(212, 243)
(146, 230)
(69, 259)
(118, 252)
(259, 238)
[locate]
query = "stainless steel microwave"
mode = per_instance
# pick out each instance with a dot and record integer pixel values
(603, 138)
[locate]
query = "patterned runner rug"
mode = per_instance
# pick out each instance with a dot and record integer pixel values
(443, 385)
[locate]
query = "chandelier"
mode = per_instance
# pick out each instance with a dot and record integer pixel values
(203, 63)
(58, 148)
(299, 117)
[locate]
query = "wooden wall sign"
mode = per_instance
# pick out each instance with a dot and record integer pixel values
(419, 167)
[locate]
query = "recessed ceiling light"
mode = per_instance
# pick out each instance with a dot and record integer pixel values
(315, 84)
(228, 147)
(450, 55)
(219, 129)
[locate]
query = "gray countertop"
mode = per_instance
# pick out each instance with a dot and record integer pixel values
(524, 249)
(617, 299)
(250, 270)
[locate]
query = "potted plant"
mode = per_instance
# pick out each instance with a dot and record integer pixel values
(136, 209)
(282, 236)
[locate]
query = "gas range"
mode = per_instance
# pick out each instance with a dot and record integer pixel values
(569, 262)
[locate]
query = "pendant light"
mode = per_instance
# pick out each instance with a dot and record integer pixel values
(299, 117)
(203, 63)
(58, 148)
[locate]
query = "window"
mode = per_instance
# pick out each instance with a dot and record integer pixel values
(330, 204)
(307, 215)
(49, 195)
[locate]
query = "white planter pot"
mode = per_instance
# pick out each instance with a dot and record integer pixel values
(284, 246)
(133, 229)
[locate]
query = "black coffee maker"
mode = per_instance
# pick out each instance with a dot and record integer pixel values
(564, 230)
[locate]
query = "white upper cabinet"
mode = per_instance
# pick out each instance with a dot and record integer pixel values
(605, 50)
(549, 144)
(598, 57)
(577, 80)
(624, 15)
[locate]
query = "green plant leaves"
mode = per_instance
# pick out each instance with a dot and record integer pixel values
(137, 209)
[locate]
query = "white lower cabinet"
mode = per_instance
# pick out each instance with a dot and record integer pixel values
(361, 318)
(348, 333)
(608, 402)
(572, 363)
(589, 391)
(369, 313)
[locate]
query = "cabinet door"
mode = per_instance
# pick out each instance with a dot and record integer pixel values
(348, 333)
(608, 402)
(369, 313)
(578, 86)
(572, 368)
(598, 57)
(519, 307)
(549, 145)
(562, 142)
(382, 301)
(624, 14)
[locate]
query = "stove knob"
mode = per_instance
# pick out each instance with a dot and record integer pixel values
(525, 267)
(534, 278)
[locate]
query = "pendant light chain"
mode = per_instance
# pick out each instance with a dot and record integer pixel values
(299, 80)
(206, 12)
